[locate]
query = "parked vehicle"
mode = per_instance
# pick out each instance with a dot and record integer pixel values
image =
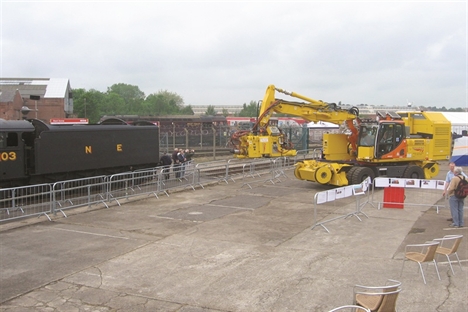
(402, 144)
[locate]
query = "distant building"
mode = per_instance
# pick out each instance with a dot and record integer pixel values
(41, 98)
(232, 109)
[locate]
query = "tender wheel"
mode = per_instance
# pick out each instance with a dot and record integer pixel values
(361, 173)
(413, 172)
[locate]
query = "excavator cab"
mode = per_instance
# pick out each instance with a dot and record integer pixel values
(381, 141)
(367, 134)
(390, 141)
(366, 141)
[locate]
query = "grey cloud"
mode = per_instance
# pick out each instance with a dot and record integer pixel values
(227, 53)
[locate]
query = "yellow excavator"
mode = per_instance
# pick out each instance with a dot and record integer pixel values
(403, 144)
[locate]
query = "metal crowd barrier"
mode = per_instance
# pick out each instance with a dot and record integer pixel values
(398, 193)
(20, 202)
(51, 199)
(129, 184)
(253, 168)
(48, 199)
(265, 171)
(215, 170)
(309, 154)
(78, 193)
(356, 191)
(414, 192)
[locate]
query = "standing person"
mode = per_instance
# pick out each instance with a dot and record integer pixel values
(456, 204)
(189, 154)
(175, 163)
(166, 162)
(174, 155)
(448, 177)
(182, 160)
(188, 158)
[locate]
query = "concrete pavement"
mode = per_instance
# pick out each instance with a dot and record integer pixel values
(226, 248)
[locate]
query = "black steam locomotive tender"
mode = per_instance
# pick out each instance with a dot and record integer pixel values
(33, 152)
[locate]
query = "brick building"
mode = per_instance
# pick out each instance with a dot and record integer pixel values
(41, 98)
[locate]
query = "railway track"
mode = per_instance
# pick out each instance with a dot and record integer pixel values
(234, 170)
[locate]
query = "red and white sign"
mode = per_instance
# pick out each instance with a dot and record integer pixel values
(69, 121)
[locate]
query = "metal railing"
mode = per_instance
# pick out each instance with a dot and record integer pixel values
(35, 200)
(51, 199)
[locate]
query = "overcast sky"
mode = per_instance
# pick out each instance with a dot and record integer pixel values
(228, 52)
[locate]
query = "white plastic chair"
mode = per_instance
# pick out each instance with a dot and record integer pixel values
(351, 308)
(426, 253)
(448, 250)
(377, 298)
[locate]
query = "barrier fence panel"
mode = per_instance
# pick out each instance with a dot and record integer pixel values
(79, 192)
(188, 175)
(255, 168)
(171, 178)
(279, 165)
(289, 161)
(232, 169)
(125, 185)
(57, 197)
(149, 181)
(26, 201)
(248, 171)
(163, 176)
(308, 154)
(414, 192)
(183, 176)
(261, 171)
(214, 171)
(360, 192)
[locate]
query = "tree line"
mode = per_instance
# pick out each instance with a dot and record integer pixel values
(126, 99)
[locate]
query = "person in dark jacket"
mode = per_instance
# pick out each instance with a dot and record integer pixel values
(189, 154)
(175, 163)
(166, 162)
(182, 160)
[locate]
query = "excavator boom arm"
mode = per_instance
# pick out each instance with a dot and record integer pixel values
(268, 141)
(312, 111)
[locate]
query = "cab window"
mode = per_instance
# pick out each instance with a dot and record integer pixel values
(2, 139)
(11, 139)
(399, 132)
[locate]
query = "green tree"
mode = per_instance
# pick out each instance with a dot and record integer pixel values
(157, 104)
(79, 102)
(132, 95)
(225, 112)
(249, 110)
(87, 104)
(187, 110)
(210, 110)
(164, 103)
(173, 98)
(113, 104)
